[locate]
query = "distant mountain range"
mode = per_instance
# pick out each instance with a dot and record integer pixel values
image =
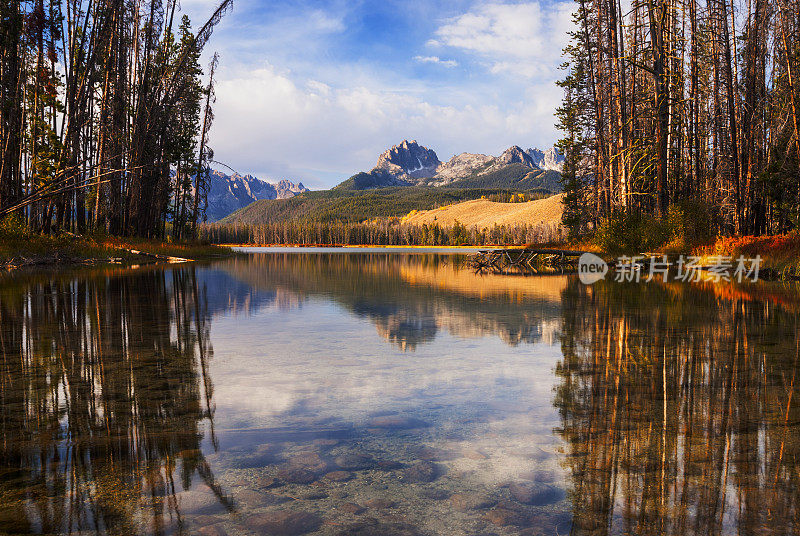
(408, 164)
(411, 164)
(229, 193)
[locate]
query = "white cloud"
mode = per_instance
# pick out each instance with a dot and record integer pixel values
(323, 22)
(338, 108)
(523, 39)
(275, 126)
(437, 60)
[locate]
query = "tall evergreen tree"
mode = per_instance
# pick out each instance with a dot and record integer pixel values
(100, 117)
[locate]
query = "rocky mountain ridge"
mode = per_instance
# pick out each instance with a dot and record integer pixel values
(229, 193)
(411, 164)
(551, 158)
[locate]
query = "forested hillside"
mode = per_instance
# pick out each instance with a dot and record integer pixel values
(513, 176)
(353, 206)
(104, 115)
(683, 110)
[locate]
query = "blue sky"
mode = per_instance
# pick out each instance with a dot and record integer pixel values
(314, 91)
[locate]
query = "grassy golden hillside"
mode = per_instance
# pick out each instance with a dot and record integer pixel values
(483, 213)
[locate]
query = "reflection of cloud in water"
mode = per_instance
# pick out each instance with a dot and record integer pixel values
(477, 393)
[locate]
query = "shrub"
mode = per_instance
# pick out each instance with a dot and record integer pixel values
(686, 224)
(690, 223)
(629, 233)
(13, 227)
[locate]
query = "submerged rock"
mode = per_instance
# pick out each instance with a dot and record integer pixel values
(435, 494)
(284, 523)
(504, 517)
(239, 482)
(351, 508)
(294, 475)
(549, 523)
(212, 530)
(355, 461)
(198, 502)
(313, 495)
(310, 461)
(539, 454)
(339, 476)
(541, 475)
(379, 503)
(536, 493)
(475, 455)
(266, 482)
(421, 472)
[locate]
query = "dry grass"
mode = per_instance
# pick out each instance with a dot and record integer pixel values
(483, 213)
(27, 249)
(780, 254)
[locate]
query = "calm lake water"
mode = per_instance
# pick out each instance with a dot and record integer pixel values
(378, 393)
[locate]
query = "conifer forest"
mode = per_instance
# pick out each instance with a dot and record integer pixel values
(689, 106)
(105, 111)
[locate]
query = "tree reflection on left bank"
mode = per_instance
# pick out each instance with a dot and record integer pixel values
(104, 401)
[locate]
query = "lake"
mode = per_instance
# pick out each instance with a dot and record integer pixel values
(387, 393)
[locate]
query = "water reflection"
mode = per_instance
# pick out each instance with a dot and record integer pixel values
(103, 394)
(679, 409)
(665, 409)
(409, 298)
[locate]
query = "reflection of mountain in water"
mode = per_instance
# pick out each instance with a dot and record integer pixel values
(103, 400)
(409, 298)
(227, 295)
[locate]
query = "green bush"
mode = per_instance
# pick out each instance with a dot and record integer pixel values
(686, 224)
(13, 227)
(630, 233)
(691, 223)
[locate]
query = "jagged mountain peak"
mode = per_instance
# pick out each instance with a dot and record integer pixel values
(408, 160)
(287, 185)
(516, 155)
(550, 159)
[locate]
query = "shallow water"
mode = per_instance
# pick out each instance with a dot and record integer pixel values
(387, 393)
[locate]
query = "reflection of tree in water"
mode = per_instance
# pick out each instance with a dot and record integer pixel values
(679, 412)
(405, 312)
(102, 395)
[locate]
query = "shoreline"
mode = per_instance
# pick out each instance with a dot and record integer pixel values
(780, 253)
(29, 251)
(364, 246)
